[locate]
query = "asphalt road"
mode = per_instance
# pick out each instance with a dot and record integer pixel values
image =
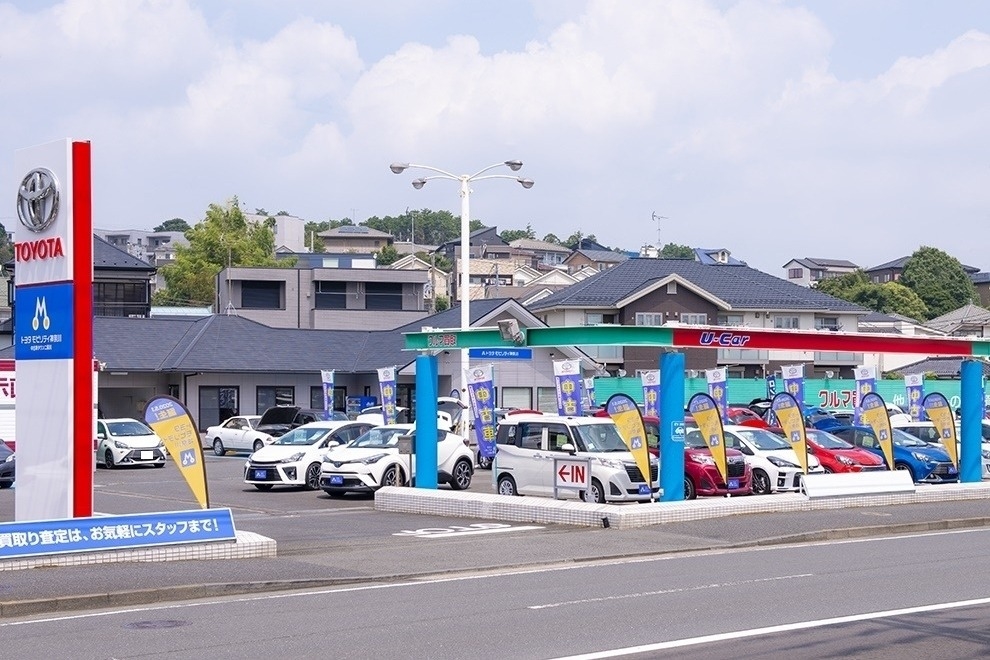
(854, 599)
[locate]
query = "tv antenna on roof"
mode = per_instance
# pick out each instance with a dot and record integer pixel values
(658, 218)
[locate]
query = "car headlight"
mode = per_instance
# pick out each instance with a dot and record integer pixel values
(986, 454)
(327, 458)
(924, 458)
(615, 465)
(298, 456)
(9, 459)
(120, 445)
(845, 460)
(703, 459)
(160, 444)
(368, 460)
(781, 463)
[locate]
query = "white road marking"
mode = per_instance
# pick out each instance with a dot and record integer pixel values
(463, 530)
(769, 630)
(642, 594)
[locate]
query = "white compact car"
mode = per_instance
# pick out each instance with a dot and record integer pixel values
(774, 463)
(527, 443)
(373, 461)
(294, 458)
(237, 433)
(127, 441)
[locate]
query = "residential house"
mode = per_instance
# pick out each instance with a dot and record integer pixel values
(937, 366)
(324, 297)
(542, 255)
(155, 248)
(891, 270)
(289, 231)
(663, 291)
(529, 290)
(587, 253)
(354, 238)
(894, 324)
(812, 270)
(982, 283)
(968, 321)
(438, 282)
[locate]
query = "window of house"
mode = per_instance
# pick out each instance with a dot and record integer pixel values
(517, 397)
(730, 319)
(331, 295)
(316, 397)
(672, 288)
(257, 294)
(218, 403)
(268, 396)
(546, 400)
(120, 298)
(383, 296)
(827, 323)
(649, 318)
(786, 322)
(594, 318)
(694, 319)
(795, 273)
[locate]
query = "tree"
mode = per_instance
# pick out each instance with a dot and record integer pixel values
(175, 224)
(551, 238)
(510, 235)
(224, 237)
(844, 286)
(939, 280)
(888, 298)
(442, 304)
(576, 238)
(387, 255)
(674, 251)
(430, 227)
(6, 247)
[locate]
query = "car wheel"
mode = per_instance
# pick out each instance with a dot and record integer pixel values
(461, 477)
(827, 470)
(313, 477)
(108, 459)
(263, 487)
(258, 444)
(597, 493)
(761, 483)
(485, 462)
(218, 447)
(906, 468)
(393, 476)
(690, 492)
(507, 486)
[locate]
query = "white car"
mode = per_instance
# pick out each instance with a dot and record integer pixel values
(294, 458)
(373, 461)
(527, 443)
(237, 433)
(775, 464)
(126, 441)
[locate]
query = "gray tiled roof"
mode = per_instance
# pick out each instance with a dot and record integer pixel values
(834, 263)
(943, 367)
(900, 263)
(603, 255)
(110, 257)
(740, 286)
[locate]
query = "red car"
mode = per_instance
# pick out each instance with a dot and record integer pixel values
(701, 477)
(837, 455)
(745, 417)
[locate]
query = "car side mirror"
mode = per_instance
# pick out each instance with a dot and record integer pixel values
(101, 436)
(746, 450)
(568, 447)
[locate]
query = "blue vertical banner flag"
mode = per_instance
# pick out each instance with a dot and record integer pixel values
(589, 391)
(386, 384)
(567, 378)
(651, 392)
(771, 386)
(794, 381)
(914, 384)
(481, 393)
(717, 388)
(326, 375)
(866, 382)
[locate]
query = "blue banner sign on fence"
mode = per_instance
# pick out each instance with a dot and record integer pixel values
(500, 353)
(45, 537)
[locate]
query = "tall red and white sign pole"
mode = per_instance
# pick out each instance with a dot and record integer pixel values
(53, 331)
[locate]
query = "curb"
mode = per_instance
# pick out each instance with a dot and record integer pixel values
(11, 609)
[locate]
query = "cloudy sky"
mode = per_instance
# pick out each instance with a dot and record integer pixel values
(855, 129)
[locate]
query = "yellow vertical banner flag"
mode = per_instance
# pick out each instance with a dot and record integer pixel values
(938, 410)
(170, 419)
(629, 421)
(875, 416)
(705, 412)
(791, 421)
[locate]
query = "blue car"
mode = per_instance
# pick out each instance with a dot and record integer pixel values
(926, 463)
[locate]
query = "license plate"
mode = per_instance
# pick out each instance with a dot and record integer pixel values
(261, 474)
(336, 480)
(644, 490)
(147, 455)
(733, 483)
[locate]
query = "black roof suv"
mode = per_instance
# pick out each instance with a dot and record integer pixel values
(279, 420)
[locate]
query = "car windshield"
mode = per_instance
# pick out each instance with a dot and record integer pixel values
(253, 422)
(600, 438)
(129, 427)
(302, 436)
(902, 439)
(381, 438)
(5, 450)
(827, 440)
(764, 439)
(452, 408)
(694, 440)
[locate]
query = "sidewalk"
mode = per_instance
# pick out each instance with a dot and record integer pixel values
(52, 590)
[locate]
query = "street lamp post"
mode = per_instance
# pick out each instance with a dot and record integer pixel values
(464, 180)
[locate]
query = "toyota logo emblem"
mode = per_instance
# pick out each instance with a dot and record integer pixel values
(38, 199)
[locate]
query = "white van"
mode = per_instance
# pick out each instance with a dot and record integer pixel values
(526, 445)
